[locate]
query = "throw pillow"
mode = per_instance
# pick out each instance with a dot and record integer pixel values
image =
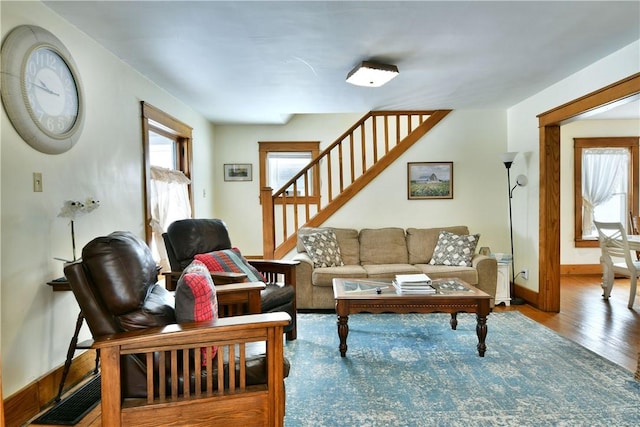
(230, 260)
(196, 298)
(322, 247)
(454, 249)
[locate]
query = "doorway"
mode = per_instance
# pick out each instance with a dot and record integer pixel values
(549, 203)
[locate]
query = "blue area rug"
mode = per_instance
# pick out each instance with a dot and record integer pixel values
(413, 370)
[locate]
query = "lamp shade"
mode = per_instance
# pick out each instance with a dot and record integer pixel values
(509, 157)
(522, 180)
(371, 74)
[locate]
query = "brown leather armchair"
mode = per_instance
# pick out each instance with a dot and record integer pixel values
(152, 368)
(186, 238)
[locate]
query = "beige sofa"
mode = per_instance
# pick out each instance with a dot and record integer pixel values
(381, 254)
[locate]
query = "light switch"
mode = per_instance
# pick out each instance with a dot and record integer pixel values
(37, 182)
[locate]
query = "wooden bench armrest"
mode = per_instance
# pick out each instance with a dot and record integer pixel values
(219, 277)
(274, 264)
(200, 333)
(222, 277)
(238, 287)
(270, 269)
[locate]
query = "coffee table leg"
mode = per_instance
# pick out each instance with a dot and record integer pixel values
(454, 321)
(481, 330)
(343, 331)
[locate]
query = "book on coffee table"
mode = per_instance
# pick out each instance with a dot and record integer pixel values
(412, 279)
(423, 288)
(413, 284)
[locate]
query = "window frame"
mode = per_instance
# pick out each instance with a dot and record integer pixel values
(313, 147)
(629, 142)
(156, 120)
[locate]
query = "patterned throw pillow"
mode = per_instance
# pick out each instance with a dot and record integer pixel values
(230, 260)
(454, 249)
(196, 298)
(323, 249)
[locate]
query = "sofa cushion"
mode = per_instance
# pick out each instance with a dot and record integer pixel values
(454, 249)
(322, 247)
(389, 271)
(324, 276)
(468, 274)
(349, 245)
(196, 298)
(422, 241)
(230, 260)
(347, 241)
(383, 246)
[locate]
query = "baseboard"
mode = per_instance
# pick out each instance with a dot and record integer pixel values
(33, 398)
(531, 297)
(581, 270)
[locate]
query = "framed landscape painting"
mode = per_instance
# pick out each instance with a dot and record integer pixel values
(430, 180)
(238, 172)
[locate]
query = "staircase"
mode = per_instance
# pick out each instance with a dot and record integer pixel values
(343, 168)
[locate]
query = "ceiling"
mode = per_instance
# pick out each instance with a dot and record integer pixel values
(264, 61)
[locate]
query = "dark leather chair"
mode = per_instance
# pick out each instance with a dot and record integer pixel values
(186, 238)
(155, 365)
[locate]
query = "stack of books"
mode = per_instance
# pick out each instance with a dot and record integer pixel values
(413, 284)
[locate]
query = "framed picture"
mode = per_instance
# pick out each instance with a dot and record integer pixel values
(430, 180)
(238, 172)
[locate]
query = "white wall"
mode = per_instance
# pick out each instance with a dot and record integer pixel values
(569, 254)
(238, 202)
(473, 140)
(523, 136)
(106, 163)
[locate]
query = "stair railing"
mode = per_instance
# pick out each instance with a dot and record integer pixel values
(345, 167)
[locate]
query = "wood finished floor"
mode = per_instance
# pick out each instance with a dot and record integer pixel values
(607, 328)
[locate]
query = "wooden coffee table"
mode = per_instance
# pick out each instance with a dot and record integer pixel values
(453, 296)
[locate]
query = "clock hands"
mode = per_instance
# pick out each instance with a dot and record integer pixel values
(44, 87)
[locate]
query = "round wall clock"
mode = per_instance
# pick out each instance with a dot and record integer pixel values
(41, 89)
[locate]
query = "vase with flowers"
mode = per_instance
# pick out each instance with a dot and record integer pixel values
(72, 209)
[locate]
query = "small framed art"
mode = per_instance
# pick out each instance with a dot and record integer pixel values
(238, 172)
(430, 180)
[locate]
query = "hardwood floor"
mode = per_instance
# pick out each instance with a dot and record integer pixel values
(607, 328)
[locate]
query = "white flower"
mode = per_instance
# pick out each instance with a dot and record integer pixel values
(73, 208)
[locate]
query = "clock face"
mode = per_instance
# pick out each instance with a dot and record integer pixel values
(50, 91)
(41, 89)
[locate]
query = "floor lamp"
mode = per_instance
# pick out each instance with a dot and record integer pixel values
(521, 181)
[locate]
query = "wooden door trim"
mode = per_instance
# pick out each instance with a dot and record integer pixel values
(549, 124)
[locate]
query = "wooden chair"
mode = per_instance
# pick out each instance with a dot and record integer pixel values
(187, 238)
(614, 244)
(154, 371)
(634, 229)
(209, 396)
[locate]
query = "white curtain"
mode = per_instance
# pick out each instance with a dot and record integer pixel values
(602, 172)
(169, 200)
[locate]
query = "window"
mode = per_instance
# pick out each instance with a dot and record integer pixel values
(280, 161)
(162, 149)
(167, 170)
(606, 184)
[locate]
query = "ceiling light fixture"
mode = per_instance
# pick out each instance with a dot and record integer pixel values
(371, 74)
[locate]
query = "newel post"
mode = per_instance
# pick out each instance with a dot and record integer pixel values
(268, 227)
